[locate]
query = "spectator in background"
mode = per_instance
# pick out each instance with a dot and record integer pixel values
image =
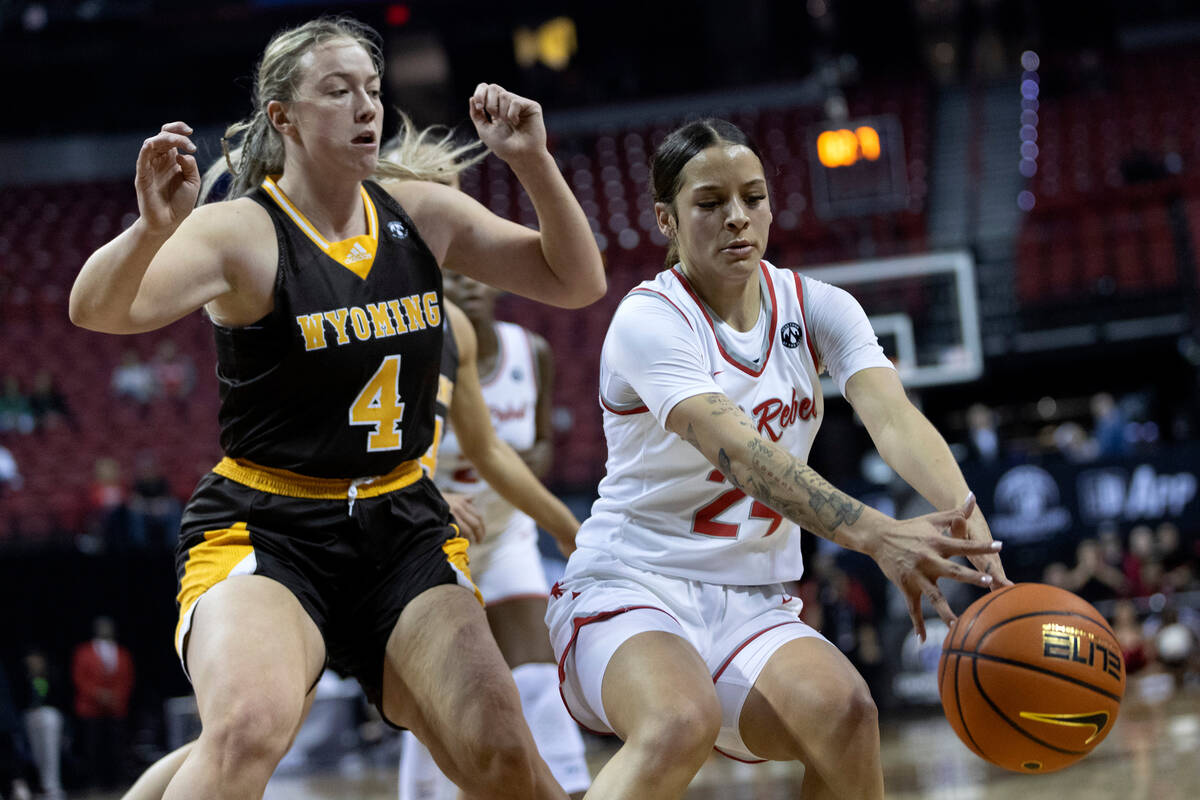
(109, 519)
(154, 512)
(174, 372)
(15, 413)
(1093, 579)
(1178, 565)
(1108, 427)
(1142, 551)
(134, 379)
(10, 472)
(1136, 651)
(42, 702)
(47, 403)
(12, 766)
(102, 673)
(982, 440)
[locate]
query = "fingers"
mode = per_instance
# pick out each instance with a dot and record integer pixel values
(493, 103)
(964, 574)
(937, 599)
(914, 612)
(470, 523)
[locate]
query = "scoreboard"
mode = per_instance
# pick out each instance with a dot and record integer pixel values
(857, 167)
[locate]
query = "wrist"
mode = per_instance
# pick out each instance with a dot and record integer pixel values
(532, 164)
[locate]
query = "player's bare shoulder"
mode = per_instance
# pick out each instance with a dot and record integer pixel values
(435, 210)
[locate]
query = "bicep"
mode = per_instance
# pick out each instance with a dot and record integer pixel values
(188, 271)
(544, 359)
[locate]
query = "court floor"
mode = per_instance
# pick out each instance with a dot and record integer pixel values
(1153, 753)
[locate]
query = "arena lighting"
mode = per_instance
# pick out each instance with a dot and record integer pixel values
(398, 15)
(844, 147)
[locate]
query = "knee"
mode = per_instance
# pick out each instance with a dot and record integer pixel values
(849, 702)
(251, 730)
(683, 733)
(499, 768)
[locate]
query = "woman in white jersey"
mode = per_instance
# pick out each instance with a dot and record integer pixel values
(675, 624)
(513, 374)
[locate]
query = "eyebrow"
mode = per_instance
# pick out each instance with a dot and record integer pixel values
(348, 76)
(713, 186)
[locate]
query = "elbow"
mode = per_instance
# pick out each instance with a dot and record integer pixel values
(78, 311)
(587, 293)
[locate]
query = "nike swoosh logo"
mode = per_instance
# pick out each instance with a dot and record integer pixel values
(718, 372)
(1096, 720)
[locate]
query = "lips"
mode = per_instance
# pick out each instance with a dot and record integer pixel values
(365, 138)
(740, 248)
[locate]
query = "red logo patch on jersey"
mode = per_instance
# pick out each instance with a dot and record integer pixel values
(774, 415)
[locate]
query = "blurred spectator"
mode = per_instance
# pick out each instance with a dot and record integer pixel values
(42, 703)
(174, 372)
(108, 510)
(133, 378)
(1135, 650)
(1058, 575)
(1179, 566)
(848, 618)
(1142, 551)
(154, 512)
(10, 473)
(1093, 579)
(47, 403)
(1073, 442)
(1176, 645)
(1108, 427)
(102, 672)
(15, 413)
(12, 766)
(982, 440)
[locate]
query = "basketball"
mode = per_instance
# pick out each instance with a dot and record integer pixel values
(1031, 678)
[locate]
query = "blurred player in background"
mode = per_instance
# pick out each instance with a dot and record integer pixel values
(516, 371)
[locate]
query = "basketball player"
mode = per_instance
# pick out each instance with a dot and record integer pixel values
(676, 622)
(516, 373)
(517, 385)
(318, 537)
(461, 402)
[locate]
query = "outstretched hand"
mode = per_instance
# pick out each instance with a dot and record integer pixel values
(510, 125)
(168, 180)
(914, 553)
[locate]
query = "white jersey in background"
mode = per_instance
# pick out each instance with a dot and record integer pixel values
(662, 505)
(511, 393)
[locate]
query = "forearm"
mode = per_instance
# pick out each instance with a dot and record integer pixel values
(503, 470)
(920, 456)
(772, 475)
(538, 458)
(567, 242)
(103, 295)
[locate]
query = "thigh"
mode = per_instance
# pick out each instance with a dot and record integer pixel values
(442, 665)
(792, 698)
(250, 637)
(654, 675)
(519, 628)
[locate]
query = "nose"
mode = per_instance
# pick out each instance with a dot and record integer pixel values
(736, 218)
(365, 111)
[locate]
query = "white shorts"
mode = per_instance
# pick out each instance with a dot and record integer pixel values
(507, 564)
(601, 602)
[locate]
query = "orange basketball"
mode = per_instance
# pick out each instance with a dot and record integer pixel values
(1031, 678)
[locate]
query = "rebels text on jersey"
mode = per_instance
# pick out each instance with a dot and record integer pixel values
(662, 505)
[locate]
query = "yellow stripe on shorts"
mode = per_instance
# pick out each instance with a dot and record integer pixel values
(456, 553)
(209, 563)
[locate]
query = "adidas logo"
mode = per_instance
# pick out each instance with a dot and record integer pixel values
(356, 254)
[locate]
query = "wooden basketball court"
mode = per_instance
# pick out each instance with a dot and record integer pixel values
(1153, 753)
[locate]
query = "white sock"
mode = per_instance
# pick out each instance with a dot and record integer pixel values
(420, 778)
(557, 735)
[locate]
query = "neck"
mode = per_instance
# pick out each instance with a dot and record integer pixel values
(334, 206)
(487, 342)
(737, 301)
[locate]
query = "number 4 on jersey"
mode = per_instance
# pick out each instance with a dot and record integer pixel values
(705, 521)
(379, 405)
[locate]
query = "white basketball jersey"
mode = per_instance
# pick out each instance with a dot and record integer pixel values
(510, 391)
(662, 505)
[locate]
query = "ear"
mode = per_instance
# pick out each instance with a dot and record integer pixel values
(665, 215)
(278, 114)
